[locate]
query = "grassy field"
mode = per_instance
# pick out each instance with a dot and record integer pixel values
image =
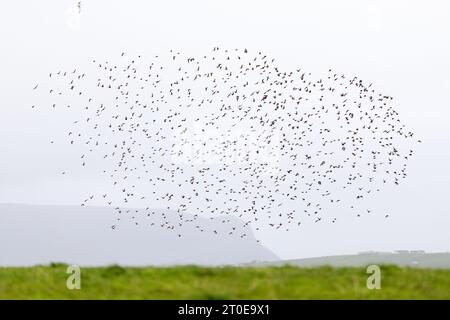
(190, 282)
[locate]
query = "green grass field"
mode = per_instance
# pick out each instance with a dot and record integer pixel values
(190, 282)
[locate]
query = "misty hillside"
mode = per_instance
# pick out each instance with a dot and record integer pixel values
(402, 258)
(31, 235)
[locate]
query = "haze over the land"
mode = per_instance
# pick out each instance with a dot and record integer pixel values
(81, 236)
(401, 47)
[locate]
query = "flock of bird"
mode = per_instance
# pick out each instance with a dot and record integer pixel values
(226, 134)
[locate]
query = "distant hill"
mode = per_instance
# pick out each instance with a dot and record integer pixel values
(402, 258)
(31, 235)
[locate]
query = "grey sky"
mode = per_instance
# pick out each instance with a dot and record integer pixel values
(403, 47)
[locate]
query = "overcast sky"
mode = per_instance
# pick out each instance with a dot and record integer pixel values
(401, 46)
